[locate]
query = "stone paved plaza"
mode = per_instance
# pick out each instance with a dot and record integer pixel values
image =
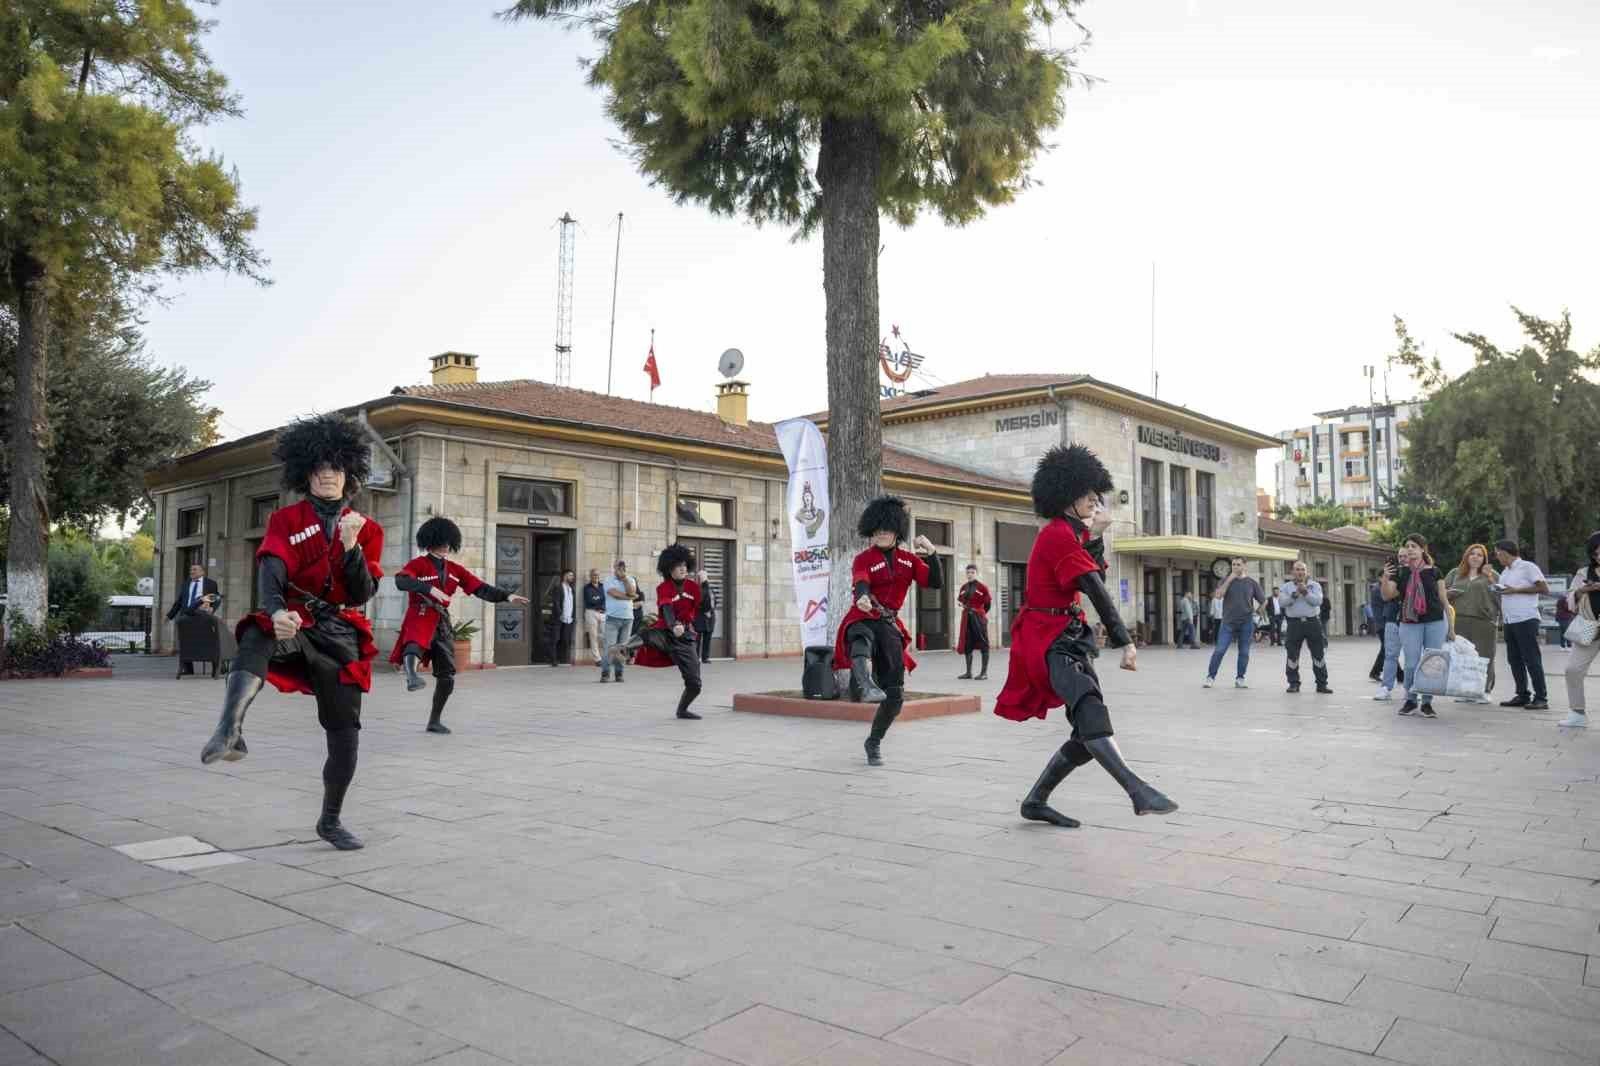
(575, 877)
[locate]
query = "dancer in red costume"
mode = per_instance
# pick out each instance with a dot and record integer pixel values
(671, 641)
(1052, 645)
(316, 565)
(975, 601)
(873, 643)
(426, 636)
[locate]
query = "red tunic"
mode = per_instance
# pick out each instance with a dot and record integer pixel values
(684, 600)
(294, 534)
(422, 621)
(888, 579)
(1059, 558)
(976, 603)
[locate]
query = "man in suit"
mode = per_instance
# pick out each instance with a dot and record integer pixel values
(559, 622)
(197, 596)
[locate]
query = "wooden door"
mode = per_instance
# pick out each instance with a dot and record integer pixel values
(549, 561)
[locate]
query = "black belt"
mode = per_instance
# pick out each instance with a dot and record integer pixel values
(1053, 610)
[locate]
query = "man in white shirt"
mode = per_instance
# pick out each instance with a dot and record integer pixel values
(1521, 585)
(560, 619)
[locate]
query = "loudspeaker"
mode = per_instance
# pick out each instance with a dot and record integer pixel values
(816, 679)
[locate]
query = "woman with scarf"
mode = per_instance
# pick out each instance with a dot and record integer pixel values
(1052, 646)
(1471, 591)
(316, 565)
(1423, 622)
(975, 601)
(1585, 582)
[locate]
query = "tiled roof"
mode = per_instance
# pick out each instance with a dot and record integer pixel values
(541, 400)
(973, 388)
(1277, 527)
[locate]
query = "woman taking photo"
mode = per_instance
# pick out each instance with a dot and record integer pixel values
(1477, 610)
(1419, 587)
(1585, 582)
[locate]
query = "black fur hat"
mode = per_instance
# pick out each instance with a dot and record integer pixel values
(307, 443)
(1066, 473)
(439, 533)
(671, 556)
(885, 514)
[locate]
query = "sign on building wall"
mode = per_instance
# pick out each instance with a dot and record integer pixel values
(1174, 441)
(1032, 420)
(898, 366)
(806, 455)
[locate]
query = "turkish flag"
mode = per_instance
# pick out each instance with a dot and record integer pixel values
(651, 369)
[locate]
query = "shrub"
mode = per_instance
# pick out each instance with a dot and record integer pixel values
(50, 651)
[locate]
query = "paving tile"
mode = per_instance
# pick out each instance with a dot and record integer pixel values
(469, 1056)
(1538, 993)
(1107, 971)
(129, 878)
(1470, 948)
(1429, 1045)
(143, 950)
(26, 891)
(1297, 1052)
(263, 880)
(212, 911)
(1471, 902)
(316, 1025)
(334, 959)
(764, 1036)
(825, 997)
(1545, 935)
(190, 863)
(456, 942)
(164, 848)
(960, 941)
(853, 1050)
(1260, 968)
(516, 1025)
(202, 997)
(27, 961)
(14, 1052)
(1325, 1023)
(1256, 912)
(1092, 1052)
(971, 1037)
(367, 914)
(1480, 1017)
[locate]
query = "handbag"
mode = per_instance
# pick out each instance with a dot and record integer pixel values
(1582, 629)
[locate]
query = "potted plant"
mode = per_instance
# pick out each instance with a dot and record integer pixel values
(464, 634)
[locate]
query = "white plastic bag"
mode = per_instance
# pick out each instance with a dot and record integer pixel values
(1453, 670)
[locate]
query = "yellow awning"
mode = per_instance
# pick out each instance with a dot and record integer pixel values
(1204, 548)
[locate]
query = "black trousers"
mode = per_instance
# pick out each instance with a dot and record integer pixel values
(558, 639)
(319, 655)
(1070, 660)
(977, 635)
(879, 640)
(1306, 631)
(441, 652)
(704, 640)
(1527, 660)
(684, 652)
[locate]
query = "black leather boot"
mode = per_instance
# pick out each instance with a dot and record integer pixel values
(687, 698)
(862, 686)
(887, 712)
(442, 687)
(1147, 799)
(968, 675)
(983, 670)
(337, 773)
(413, 682)
(228, 740)
(1035, 807)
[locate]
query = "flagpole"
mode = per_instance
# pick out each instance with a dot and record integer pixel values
(616, 269)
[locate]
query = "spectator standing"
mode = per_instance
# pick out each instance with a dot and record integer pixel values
(198, 597)
(1273, 614)
(1324, 614)
(1419, 589)
(1186, 620)
(619, 591)
(705, 619)
(1387, 671)
(1521, 585)
(558, 629)
(1300, 600)
(1471, 590)
(594, 613)
(1585, 582)
(1239, 597)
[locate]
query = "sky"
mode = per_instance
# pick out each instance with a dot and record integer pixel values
(1296, 174)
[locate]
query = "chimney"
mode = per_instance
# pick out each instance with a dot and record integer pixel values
(733, 402)
(455, 368)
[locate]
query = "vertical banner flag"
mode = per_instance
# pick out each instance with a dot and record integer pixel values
(807, 457)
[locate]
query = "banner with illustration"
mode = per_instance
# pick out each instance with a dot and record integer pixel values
(807, 457)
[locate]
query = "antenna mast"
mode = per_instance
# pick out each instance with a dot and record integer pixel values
(563, 370)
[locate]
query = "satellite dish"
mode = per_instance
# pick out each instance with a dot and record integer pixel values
(731, 363)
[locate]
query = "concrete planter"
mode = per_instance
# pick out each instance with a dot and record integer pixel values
(917, 705)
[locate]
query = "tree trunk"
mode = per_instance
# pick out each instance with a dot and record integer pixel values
(1513, 516)
(847, 170)
(1541, 531)
(27, 572)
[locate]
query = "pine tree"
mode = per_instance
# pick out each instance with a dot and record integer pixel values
(824, 116)
(101, 192)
